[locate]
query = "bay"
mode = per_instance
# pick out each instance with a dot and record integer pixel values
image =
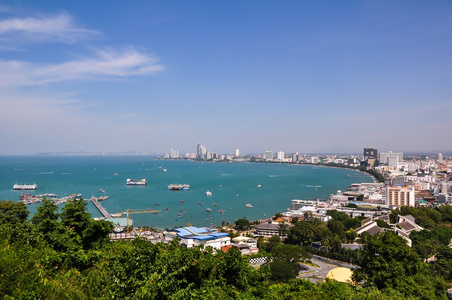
(233, 185)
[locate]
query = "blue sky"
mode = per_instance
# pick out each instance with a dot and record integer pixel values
(306, 76)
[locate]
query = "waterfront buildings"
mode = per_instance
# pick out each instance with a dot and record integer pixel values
(268, 156)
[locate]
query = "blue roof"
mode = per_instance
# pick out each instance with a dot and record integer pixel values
(196, 233)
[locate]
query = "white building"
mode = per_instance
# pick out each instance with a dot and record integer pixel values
(194, 236)
(268, 155)
(295, 157)
(174, 153)
(384, 156)
(393, 162)
(400, 196)
(237, 152)
(280, 155)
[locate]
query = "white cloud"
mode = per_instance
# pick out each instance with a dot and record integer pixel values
(60, 28)
(105, 65)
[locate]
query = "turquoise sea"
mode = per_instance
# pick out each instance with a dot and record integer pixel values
(233, 185)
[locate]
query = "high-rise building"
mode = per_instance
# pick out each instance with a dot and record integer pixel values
(400, 196)
(440, 157)
(384, 156)
(268, 155)
(393, 161)
(295, 157)
(371, 156)
(174, 153)
(280, 155)
(237, 152)
(201, 152)
(370, 153)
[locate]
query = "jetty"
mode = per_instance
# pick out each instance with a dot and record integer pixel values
(102, 210)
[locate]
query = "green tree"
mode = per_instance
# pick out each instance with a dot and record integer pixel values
(13, 212)
(282, 271)
(242, 224)
(46, 218)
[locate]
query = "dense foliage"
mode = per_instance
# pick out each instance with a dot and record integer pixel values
(68, 255)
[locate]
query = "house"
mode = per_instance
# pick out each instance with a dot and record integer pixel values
(369, 226)
(246, 245)
(193, 236)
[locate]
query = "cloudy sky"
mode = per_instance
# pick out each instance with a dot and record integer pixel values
(306, 76)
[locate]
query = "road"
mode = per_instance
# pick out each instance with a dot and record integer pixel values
(316, 272)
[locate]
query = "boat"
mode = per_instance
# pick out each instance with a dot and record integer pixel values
(115, 174)
(248, 205)
(208, 193)
(220, 211)
(101, 191)
(259, 186)
(214, 204)
(199, 203)
(182, 201)
(178, 187)
(209, 209)
(164, 170)
(136, 181)
(166, 208)
(25, 186)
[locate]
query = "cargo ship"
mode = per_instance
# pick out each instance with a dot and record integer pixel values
(136, 182)
(25, 186)
(178, 187)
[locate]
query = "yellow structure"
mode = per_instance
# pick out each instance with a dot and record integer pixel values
(340, 274)
(138, 212)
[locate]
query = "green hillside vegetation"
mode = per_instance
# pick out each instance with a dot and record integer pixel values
(68, 255)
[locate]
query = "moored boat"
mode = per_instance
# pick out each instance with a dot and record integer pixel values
(136, 182)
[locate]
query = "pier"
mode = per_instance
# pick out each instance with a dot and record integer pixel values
(102, 210)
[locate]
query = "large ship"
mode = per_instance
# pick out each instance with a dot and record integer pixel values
(178, 187)
(25, 186)
(136, 182)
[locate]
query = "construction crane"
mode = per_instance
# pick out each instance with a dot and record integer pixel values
(138, 212)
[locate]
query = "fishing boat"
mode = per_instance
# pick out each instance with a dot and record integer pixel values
(208, 193)
(209, 209)
(248, 205)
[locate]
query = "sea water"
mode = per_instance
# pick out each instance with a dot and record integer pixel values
(233, 185)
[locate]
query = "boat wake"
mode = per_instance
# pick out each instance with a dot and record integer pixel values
(44, 173)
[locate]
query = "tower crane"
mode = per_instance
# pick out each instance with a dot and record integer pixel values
(138, 212)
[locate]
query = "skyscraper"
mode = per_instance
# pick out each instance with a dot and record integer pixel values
(268, 155)
(237, 152)
(370, 153)
(371, 156)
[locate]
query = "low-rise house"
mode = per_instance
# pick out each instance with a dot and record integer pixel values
(246, 245)
(369, 226)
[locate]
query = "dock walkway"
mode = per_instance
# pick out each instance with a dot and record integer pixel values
(102, 210)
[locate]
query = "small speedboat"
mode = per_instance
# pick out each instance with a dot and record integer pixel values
(248, 205)
(208, 193)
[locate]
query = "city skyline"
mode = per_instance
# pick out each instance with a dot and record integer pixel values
(293, 76)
